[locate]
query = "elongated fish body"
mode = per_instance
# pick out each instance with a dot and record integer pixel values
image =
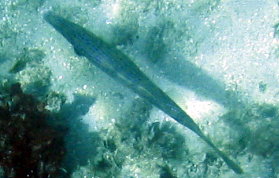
(119, 67)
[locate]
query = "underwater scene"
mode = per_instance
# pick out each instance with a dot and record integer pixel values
(139, 89)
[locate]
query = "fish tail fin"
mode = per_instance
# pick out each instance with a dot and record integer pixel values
(231, 164)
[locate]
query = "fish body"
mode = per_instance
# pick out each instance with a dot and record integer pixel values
(119, 67)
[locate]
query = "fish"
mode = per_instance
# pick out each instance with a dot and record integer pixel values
(122, 69)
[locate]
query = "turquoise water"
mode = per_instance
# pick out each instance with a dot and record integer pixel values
(216, 59)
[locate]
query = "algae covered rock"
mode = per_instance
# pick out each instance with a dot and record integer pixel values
(30, 146)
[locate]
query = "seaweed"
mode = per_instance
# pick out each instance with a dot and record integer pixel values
(166, 139)
(276, 30)
(27, 56)
(155, 46)
(27, 4)
(259, 126)
(166, 173)
(262, 87)
(30, 146)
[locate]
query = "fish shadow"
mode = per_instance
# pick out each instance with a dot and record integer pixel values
(178, 69)
(189, 76)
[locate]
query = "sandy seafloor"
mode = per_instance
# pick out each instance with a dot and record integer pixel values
(218, 59)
